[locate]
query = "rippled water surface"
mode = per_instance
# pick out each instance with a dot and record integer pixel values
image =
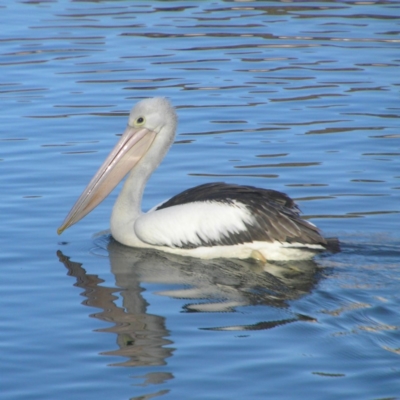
(301, 97)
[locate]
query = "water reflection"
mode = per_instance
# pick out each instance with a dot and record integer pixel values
(140, 336)
(207, 285)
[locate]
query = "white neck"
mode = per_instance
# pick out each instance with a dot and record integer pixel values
(127, 208)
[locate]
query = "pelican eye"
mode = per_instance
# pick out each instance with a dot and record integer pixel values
(140, 121)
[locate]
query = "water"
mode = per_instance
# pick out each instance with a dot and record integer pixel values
(302, 97)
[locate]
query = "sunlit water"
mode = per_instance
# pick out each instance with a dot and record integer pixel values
(301, 97)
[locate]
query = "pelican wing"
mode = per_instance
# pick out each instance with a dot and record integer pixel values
(219, 214)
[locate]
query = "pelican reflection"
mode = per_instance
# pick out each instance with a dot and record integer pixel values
(217, 285)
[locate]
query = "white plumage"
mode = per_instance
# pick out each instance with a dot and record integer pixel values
(173, 226)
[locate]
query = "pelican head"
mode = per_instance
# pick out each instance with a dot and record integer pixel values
(150, 132)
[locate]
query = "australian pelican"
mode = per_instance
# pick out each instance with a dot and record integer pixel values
(208, 221)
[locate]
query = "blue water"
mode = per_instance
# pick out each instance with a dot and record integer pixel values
(301, 97)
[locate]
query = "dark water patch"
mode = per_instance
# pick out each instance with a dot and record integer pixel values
(365, 213)
(220, 132)
(13, 139)
(344, 130)
(305, 98)
(389, 136)
(307, 184)
(367, 180)
(280, 165)
(311, 123)
(237, 175)
(272, 155)
(79, 152)
(109, 71)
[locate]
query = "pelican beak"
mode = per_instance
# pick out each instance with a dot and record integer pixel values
(133, 145)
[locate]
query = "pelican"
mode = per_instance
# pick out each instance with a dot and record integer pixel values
(212, 220)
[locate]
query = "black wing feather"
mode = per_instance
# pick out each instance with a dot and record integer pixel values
(277, 217)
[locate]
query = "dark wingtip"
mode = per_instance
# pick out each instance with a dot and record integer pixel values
(332, 245)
